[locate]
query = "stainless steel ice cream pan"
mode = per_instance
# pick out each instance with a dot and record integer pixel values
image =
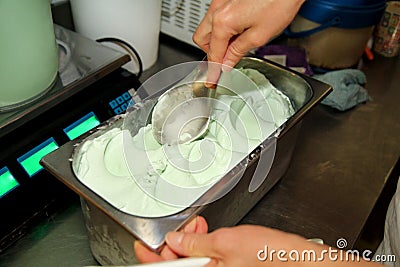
(111, 231)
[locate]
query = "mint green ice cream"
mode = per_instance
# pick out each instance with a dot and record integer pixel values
(239, 123)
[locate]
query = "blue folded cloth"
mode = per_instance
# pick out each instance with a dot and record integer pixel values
(348, 90)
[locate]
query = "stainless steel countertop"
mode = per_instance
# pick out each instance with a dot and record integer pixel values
(339, 168)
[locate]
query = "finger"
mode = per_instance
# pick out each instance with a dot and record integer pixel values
(196, 225)
(191, 226)
(213, 74)
(224, 29)
(212, 263)
(201, 36)
(219, 41)
(242, 44)
(191, 244)
(143, 254)
(201, 225)
(168, 254)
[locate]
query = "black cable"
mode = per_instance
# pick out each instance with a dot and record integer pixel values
(122, 43)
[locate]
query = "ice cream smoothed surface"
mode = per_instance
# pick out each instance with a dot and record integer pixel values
(138, 176)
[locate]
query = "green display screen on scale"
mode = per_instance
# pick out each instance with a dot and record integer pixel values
(81, 126)
(30, 161)
(7, 181)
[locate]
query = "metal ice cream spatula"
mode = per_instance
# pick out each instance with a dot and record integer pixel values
(182, 113)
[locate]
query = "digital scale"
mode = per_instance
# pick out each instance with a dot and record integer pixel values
(91, 87)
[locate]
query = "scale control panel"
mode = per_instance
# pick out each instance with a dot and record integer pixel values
(25, 187)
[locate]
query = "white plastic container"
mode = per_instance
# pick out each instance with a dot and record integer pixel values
(136, 22)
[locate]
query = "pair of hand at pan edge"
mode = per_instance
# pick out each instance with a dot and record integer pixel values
(231, 28)
(240, 246)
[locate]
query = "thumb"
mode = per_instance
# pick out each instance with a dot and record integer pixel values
(191, 244)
